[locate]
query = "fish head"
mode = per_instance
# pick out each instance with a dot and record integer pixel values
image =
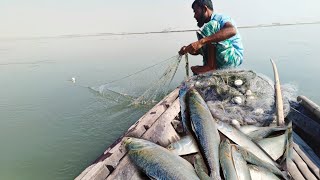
(132, 144)
(195, 98)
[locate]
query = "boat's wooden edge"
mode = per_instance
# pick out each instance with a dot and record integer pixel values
(310, 105)
(107, 162)
(304, 159)
(162, 133)
(306, 124)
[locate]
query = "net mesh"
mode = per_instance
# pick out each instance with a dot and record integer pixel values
(143, 87)
(240, 95)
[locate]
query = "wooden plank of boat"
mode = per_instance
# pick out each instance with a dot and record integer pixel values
(294, 171)
(162, 133)
(108, 161)
(306, 124)
(302, 166)
(310, 105)
(307, 154)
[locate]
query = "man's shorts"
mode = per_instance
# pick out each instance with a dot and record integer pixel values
(226, 55)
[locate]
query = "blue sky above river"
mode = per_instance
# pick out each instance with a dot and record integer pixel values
(20, 18)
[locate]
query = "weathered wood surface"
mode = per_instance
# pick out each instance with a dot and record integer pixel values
(294, 171)
(108, 161)
(307, 154)
(310, 105)
(302, 166)
(161, 133)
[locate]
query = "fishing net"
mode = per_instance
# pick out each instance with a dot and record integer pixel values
(239, 95)
(146, 86)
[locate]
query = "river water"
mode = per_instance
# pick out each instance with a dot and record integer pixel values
(51, 128)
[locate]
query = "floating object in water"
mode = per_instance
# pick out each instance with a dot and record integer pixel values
(238, 82)
(73, 80)
(237, 100)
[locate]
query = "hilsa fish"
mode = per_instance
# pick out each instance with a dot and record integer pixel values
(157, 162)
(186, 145)
(206, 132)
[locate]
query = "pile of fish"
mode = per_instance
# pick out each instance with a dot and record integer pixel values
(220, 149)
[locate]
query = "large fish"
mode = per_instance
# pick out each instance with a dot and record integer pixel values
(264, 132)
(158, 162)
(226, 160)
(244, 141)
(205, 130)
(240, 164)
(251, 158)
(259, 173)
(246, 129)
(274, 146)
(183, 108)
(186, 145)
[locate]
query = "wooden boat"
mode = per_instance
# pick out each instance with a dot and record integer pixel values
(161, 125)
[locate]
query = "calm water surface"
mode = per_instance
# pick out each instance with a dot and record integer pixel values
(51, 128)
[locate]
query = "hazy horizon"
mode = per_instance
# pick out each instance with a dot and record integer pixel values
(55, 18)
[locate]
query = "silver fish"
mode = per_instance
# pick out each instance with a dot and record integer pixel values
(186, 145)
(259, 173)
(226, 160)
(264, 132)
(251, 158)
(200, 167)
(244, 141)
(158, 162)
(205, 129)
(249, 128)
(240, 164)
(275, 146)
(183, 108)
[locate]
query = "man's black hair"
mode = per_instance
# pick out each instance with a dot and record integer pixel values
(202, 3)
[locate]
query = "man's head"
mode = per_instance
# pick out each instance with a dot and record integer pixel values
(202, 11)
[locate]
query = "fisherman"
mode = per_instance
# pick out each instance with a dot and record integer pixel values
(219, 41)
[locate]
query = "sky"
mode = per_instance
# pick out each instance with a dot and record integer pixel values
(21, 18)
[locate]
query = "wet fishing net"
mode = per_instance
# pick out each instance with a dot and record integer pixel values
(146, 86)
(240, 96)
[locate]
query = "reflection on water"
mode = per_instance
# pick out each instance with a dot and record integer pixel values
(51, 128)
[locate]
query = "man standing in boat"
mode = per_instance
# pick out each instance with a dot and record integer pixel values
(219, 41)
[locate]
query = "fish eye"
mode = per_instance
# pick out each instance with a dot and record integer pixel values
(170, 147)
